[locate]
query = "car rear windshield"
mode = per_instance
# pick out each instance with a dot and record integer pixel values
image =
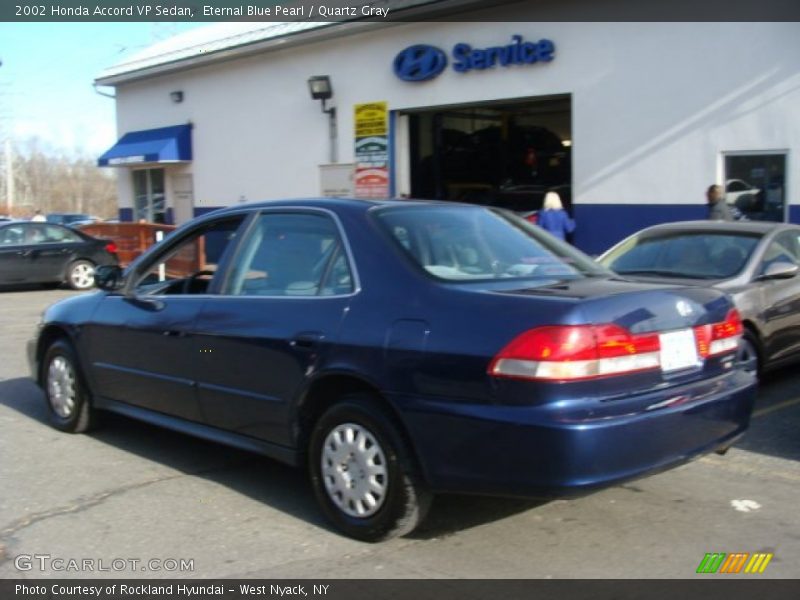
(692, 255)
(463, 243)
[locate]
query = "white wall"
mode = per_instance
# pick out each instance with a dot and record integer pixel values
(653, 104)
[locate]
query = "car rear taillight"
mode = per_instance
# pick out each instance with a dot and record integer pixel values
(534, 218)
(111, 248)
(575, 352)
(719, 338)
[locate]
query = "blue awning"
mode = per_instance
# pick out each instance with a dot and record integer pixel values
(166, 144)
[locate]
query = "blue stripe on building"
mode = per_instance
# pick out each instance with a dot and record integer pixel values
(600, 226)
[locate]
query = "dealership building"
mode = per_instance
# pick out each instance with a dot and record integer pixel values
(628, 122)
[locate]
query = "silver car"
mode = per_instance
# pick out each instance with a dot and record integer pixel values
(755, 262)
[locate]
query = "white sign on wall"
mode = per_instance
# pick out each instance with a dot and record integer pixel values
(336, 180)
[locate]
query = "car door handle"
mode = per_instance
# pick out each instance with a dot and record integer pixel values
(173, 333)
(306, 341)
(25, 252)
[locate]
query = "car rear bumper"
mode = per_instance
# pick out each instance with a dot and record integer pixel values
(569, 448)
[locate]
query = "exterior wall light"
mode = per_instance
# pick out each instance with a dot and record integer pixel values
(320, 88)
(176, 96)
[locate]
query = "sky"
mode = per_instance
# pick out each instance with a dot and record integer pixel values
(46, 79)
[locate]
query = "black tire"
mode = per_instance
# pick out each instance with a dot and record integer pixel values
(405, 502)
(60, 358)
(77, 275)
(750, 354)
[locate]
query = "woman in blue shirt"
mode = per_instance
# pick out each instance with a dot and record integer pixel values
(553, 218)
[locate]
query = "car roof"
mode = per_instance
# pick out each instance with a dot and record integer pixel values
(29, 222)
(358, 204)
(752, 227)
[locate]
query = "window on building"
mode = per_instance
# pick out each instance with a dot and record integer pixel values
(755, 183)
(149, 199)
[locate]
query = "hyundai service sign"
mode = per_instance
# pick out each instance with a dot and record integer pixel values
(422, 62)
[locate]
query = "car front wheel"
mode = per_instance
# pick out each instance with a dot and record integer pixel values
(67, 395)
(362, 472)
(80, 275)
(749, 355)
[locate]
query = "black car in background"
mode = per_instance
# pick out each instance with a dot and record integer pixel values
(32, 252)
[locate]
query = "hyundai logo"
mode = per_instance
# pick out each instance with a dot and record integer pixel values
(419, 63)
(684, 308)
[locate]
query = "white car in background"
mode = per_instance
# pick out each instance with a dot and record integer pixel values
(741, 194)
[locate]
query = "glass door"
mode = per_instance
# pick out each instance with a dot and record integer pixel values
(149, 198)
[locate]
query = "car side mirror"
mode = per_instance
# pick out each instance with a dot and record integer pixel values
(109, 278)
(782, 269)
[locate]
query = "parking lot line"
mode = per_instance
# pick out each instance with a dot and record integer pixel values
(775, 407)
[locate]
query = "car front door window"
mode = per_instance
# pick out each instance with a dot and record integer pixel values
(189, 266)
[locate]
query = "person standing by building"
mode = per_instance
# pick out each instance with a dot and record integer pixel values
(718, 209)
(553, 218)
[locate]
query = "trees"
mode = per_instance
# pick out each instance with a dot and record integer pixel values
(56, 181)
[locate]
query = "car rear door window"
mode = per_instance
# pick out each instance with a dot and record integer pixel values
(291, 254)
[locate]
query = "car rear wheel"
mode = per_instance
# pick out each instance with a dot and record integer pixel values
(80, 275)
(362, 472)
(66, 393)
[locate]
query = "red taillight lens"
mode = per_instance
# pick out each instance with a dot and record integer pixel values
(719, 338)
(111, 247)
(576, 352)
(553, 343)
(534, 218)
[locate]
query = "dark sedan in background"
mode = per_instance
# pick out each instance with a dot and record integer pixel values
(70, 219)
(399, 349)
(755, 262)
(35, 252)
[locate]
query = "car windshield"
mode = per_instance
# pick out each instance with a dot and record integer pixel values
(462, 243)
(691, 255)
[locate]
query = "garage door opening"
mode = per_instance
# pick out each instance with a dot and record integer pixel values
(506, 154)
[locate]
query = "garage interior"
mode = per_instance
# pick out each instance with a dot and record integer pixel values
(505, 153)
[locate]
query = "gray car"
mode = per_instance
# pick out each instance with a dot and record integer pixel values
(755, 262)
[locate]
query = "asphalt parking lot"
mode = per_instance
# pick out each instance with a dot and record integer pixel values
(133, 492)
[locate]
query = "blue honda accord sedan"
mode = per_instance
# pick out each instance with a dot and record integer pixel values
(400, 349)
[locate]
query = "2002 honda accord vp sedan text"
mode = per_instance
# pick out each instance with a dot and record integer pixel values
(400, 349)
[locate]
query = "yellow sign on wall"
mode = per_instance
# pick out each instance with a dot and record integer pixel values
(371, 119)
(371, 124)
